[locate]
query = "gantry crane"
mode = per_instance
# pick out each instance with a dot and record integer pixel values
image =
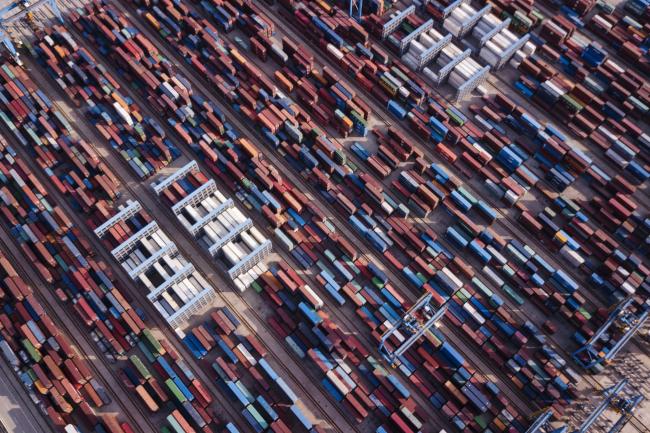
(415, 323)
(356, 8)
(588, 356)
(613, 399)
(542, 424)
(25, 9)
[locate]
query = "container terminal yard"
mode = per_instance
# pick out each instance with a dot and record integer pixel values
(324, 216)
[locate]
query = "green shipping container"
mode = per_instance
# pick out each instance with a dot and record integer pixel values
(154, 344)
(513, 295)
(178, 395)
(31, 350)
(140, 367)
(145, 350)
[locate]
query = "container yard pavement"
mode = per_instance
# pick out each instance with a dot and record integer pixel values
(145, 195)
(520, 367)
(17, 412)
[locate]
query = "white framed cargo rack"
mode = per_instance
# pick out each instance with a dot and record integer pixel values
(463, 17)
(392, 24)
(149, 256)
(220, 227)
(426, 48)
(467, 76)
(456, 66)
(405, 42)
(497, 44)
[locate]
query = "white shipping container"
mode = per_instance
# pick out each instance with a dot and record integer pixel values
(459, 14)
(616, 158)
(435, 34)
(572, 256)
(162, 310)
(335, 51)
(488, 55)
(426, 40)
(492, 276)
(602, 22)
(428, 73)
(318, 302)
(409, 60)
(529, 48)
(452, 26)
(509, 35)
(126, 117)
(249, 241)
(454, 279)
(500, 41)
(257, 234)
(510, 197)
(416, 48)
(628, 288)
(475, 314)
(465, 7)
(230, 256)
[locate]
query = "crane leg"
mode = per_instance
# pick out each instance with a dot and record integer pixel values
(6, 40)
(57, 12)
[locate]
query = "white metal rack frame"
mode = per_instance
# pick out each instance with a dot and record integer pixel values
(190, 167)
(430, 53)
(406, 40)
(394, 22)
(252, 259)
(232, 234)
(132, 208)
(181, 295)
(220, 226)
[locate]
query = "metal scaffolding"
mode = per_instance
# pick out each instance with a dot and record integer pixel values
(496, 29)
(210, 216)
(253, 258)
(169, 249)
(394, 22)
(178, 276)
(125, 247)
(206, 205)
(190, 167)
(510, 51)
(198, 195)
(449, 9)
(132, 208)
(470, 22)
(200, 303)
(406, 40)
(446, 70)
(430, 53)
(474, 81)
(238, 229)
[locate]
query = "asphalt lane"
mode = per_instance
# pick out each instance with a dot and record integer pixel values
(17, 412)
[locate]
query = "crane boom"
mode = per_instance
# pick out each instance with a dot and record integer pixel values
(588, 356)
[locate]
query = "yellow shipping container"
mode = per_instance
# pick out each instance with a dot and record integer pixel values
(238, 57)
